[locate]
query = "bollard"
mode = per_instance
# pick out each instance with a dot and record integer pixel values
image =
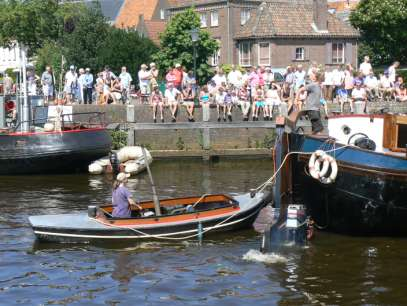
(200, 233)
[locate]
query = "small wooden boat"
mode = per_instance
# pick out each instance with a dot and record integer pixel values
(182, 218)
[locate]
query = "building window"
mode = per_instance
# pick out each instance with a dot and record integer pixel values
(300, 54)
(338, 53)
(214, 19)
(202, 16)
(216, 55)
(244, 16)
(244, 54)
(264, 54)
(162, 14)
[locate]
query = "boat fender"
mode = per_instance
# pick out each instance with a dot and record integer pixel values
(95, 168)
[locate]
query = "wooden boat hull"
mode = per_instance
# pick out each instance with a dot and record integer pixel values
(81, 228)
(52, 152)
(368, 196)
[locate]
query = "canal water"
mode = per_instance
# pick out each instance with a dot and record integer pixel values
(226, 270)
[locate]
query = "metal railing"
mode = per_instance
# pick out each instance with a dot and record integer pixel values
(84, 120)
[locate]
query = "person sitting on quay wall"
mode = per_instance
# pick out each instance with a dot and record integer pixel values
(122, 200)
(172, 96)
(157, 100)
(188, 96)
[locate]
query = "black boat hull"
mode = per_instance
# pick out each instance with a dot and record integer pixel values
(50, 153)
(362, 201)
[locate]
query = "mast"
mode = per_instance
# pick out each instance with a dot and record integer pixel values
(25, 115)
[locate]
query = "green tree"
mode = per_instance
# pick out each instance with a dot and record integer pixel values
(177, 45)
(28, 22)
(382, 24)
(125, 48)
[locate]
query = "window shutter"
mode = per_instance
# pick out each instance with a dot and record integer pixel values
(306, 53)
(329, 53)
(293, 55)
(348, 53)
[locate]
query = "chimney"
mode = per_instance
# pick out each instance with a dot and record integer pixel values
(320, 13)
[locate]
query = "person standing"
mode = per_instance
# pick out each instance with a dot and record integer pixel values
(144, 77)
(154, 74)
(235, 77)
(87, 86)
(392, 72)
(365, 68)
(8, 84)
(125, 82)
(47, 81)
(313, 102)
(179, 75)
(71, 83)
(81, 85)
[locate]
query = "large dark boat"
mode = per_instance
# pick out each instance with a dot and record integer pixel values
(368, 192)
(81, 139)
(57, 142)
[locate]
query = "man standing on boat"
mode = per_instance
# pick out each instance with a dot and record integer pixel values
(121, 198)
(313, 101)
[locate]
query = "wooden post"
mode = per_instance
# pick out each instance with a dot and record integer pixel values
(155, 197)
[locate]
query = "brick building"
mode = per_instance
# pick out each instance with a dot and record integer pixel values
(274, 32)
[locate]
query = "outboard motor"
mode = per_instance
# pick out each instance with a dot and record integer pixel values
(297, 224)
(114, 161)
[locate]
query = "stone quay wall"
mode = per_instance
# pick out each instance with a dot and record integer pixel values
(201, 139)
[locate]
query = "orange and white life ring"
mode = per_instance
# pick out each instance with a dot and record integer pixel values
(319, 158)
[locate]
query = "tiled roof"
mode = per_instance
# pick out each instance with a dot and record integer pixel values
(278, 19)
(153, 29)
(132, 9)
(186, 3)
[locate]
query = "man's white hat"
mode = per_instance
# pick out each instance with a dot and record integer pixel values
(72, 67)
(122, 176)
(177, 65)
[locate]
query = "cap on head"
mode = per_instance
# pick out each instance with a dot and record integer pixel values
(87, 69)
(144, 66)
(121, 177)
(152, 64)
(177, 65)
(358, 82)
(72, 67)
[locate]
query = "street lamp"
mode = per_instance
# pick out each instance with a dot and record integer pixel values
(194, 37)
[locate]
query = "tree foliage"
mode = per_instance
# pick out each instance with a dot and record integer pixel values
(78, 32)
(383, 27)
(125, 48)
(177, 45)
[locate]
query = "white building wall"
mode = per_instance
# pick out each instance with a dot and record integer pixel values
(9, 58)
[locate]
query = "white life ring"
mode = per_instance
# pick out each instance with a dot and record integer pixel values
(328, 162)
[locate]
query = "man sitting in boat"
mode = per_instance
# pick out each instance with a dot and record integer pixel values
(121, 198)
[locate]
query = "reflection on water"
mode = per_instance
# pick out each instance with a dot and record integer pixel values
(226, 270)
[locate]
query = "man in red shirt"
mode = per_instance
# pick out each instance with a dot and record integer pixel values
(178, 73)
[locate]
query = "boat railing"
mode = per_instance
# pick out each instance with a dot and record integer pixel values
(75, 121)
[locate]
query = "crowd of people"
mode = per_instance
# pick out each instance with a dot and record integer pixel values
(254, 91)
